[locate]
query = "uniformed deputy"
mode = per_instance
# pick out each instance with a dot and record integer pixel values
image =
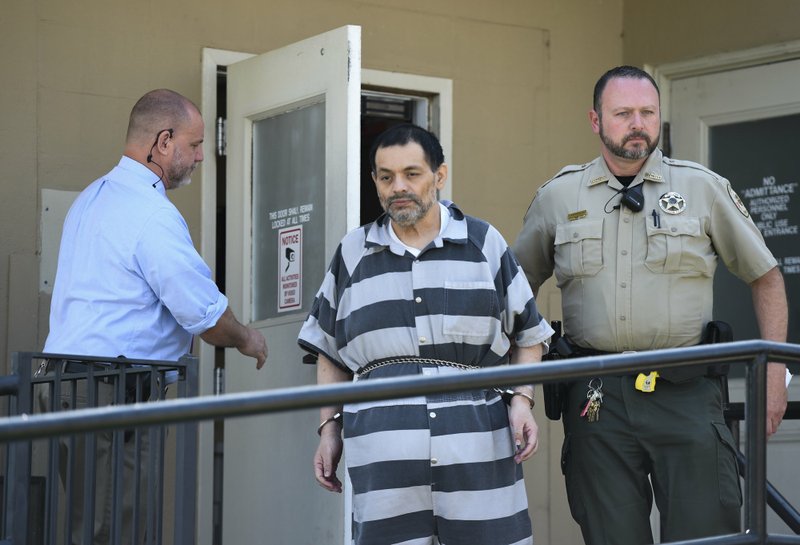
(633, 238)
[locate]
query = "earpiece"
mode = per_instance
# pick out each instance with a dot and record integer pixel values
(155, 143)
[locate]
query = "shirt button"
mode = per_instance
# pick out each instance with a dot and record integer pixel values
(432, 414)
(674, 229)
(574, 235)
(627, 220)
(423, 340)
(623, 285)
(434, 461)
(418, 299)
(622, 318)
(624, 252)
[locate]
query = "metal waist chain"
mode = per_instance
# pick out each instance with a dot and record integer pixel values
(412, 359)
(506, 393)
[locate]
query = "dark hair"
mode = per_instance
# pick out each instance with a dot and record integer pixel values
(402, 134)
(619, 72)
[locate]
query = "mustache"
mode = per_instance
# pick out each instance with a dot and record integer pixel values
(636, 134)
(403, 196)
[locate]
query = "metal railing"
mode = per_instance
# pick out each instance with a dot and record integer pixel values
(129, 461)
(734, 414)
(754, 354)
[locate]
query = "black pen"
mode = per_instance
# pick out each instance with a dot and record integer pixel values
(656, 219)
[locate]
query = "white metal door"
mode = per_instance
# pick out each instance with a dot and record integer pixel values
(743, 123)
(293, 192)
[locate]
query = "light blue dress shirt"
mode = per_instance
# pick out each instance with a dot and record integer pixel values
(129, 280)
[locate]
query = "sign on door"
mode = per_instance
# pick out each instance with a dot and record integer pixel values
(290, 270)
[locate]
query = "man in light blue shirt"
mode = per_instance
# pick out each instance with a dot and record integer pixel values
(129, 280)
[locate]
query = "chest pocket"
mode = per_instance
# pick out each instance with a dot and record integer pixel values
(679, 245)
(579, 249)
(469, 308)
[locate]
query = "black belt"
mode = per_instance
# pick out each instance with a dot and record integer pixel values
(673, 374)
(76, 367)
(73, 367)
(131, 379)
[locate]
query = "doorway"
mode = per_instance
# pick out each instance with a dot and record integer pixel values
(385, 99)
(380, 110)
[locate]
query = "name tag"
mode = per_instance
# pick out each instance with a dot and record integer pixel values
(577, 215)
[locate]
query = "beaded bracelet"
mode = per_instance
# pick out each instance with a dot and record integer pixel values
(335, 418)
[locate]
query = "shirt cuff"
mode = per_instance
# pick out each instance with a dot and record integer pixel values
(213, 313)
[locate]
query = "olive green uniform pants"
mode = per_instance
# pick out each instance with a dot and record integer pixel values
(674, 438)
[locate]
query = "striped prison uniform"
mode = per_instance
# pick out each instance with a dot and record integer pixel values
(440, 465)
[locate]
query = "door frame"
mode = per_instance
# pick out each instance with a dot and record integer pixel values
(441, 88)
(721, 62)
(212, 58)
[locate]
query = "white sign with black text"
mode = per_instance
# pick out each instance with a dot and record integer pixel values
(290, 270)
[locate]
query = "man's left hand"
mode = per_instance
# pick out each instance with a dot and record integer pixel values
(524, 428)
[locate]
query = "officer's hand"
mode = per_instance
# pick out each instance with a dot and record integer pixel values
(776, 396)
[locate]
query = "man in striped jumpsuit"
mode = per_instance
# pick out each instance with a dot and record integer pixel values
(426, 290)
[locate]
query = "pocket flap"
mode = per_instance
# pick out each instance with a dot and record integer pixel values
(576, 231)
(675, 227)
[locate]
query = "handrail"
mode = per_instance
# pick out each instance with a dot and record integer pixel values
(735, 411)
(755, 354)
(304, 397)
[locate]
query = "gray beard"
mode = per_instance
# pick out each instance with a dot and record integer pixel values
(632, 154)
(407, 218)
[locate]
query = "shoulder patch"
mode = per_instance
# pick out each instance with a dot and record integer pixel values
(737, 201)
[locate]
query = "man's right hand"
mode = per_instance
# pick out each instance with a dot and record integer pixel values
(255, 346)
(228, 332)
(327, 457)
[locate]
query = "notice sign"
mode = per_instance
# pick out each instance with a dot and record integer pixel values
(290, 270)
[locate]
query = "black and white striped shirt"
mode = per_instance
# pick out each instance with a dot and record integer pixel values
(461, 299)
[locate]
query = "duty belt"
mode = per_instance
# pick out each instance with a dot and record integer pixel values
(673, 374)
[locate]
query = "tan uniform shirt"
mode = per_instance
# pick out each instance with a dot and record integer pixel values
(638, 280)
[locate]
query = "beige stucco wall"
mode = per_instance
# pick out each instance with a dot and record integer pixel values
(18, 185)
(679, 30)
